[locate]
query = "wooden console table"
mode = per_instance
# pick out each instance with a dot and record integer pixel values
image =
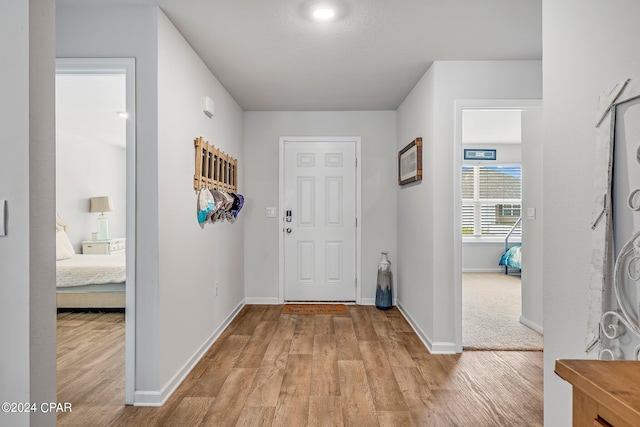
(605, 393)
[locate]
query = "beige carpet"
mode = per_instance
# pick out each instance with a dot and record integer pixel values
(491, 308)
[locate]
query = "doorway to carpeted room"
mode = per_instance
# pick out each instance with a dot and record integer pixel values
(491, 309)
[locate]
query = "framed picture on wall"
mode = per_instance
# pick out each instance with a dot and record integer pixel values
(410, 162)
(479, 154)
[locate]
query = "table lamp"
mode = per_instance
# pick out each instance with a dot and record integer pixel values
(102, 204)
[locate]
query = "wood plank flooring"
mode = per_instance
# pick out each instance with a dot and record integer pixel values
(365, 368)
(90, 367)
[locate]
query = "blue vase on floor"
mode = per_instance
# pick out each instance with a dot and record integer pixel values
(384, 288)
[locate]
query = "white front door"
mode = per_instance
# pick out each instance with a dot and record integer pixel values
(320, 232)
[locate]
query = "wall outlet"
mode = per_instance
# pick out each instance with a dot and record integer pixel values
(215, 289)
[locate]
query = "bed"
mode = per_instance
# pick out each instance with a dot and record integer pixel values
(87, 281)
(512, 257)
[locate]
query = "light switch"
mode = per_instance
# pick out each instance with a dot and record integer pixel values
(3, 225)
(271, 212)
(531, 213)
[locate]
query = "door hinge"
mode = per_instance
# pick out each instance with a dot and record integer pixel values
(356, 280)
(356, 222)
(356, 162)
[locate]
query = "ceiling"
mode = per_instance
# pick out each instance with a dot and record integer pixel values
(270, 55)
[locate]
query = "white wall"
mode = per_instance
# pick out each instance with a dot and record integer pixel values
(431, 106)
(177, 262)
(505, 153)
(27, 252)
(130, 32)
(84, 169)
(532, 228)
(415, 226)
(379, 157)
(192, 258)
(483, 257)
(14, 187)
(592, 53)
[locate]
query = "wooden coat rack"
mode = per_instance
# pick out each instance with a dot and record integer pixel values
(214, 168)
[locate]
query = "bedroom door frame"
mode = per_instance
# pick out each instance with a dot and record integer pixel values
(459, 106)
(124, 66)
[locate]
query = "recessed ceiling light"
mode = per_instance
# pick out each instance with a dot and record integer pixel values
(323, 14)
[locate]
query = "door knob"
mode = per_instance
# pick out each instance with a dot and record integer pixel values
(288, 231)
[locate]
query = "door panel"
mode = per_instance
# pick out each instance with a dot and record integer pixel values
(333, 202)
(320, 249)
(334, 262)
(306, 201)
(306, 262)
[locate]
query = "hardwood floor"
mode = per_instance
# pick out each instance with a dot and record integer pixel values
(90, 367)
(366, 368)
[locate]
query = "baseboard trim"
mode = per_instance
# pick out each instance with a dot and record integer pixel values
(531, 325)
(372, 301)
(483, 270)
(437, 347)
(423, 337)
(146, 398)
(443, 347)
(158, 398)
(262, 301)
(276, 301)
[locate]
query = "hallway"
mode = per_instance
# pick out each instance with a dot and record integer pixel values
(364, 368)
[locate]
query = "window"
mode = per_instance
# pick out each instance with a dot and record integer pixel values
(491, 200)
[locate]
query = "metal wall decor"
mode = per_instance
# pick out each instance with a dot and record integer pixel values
(605, 326)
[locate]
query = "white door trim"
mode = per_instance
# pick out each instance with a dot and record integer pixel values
(459, 105)
(281, 222)
(128, 67)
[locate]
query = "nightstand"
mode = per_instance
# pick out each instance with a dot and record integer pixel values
(103, 247)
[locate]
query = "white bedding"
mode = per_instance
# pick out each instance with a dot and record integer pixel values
(90, 270)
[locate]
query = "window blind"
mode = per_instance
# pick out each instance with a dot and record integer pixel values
(492, 199)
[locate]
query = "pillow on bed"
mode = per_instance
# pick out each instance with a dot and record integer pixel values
(64, 248)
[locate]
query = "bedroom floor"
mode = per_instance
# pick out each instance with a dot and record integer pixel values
(364, 368)
(491, 309)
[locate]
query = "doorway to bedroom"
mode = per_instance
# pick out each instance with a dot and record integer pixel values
(95, 218)
(499, 181)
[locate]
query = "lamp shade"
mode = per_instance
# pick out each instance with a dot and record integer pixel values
(101, 204)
